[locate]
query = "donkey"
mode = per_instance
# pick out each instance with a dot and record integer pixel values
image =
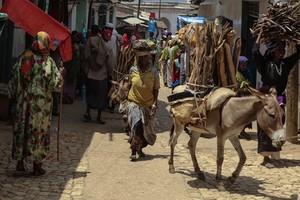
(119, 90)
(118, 95)
(226, 116)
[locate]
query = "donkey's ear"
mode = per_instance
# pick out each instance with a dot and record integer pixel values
(254, 91)
(273, 91)
(114, 83)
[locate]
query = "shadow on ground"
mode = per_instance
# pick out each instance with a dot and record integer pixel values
(239, 187)
(63, 163)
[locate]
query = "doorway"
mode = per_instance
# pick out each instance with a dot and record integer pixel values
(250, 11)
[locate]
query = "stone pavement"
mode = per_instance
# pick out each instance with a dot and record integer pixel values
(94, 164)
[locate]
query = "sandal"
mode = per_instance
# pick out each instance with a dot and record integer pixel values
(38, 170)
(133, 155)
(20, 166)
(268, 165)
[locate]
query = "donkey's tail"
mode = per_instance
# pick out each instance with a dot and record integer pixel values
(171, 134)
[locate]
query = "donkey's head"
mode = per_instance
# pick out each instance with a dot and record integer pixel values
(119, 90)
(269, 117)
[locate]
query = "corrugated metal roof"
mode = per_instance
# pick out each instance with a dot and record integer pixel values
(120, 14)
(133, 20)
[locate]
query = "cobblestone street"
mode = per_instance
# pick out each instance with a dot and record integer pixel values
(94, 164)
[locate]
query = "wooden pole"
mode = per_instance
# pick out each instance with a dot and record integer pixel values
(90, 15)
(292, 102)
(59, 122)
(139, 8)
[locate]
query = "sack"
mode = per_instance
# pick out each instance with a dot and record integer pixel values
(93, 62)
(101, 57)
(93, 53)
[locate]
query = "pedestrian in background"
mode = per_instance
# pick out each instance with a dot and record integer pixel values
(274, 70)
(176, 69)
(55, 55)
(73, 68)
(172, 50)
(100, 58)
(152, 26)
(164, 63)
(33, 79)
(142, 97)
(115, 44)
(159, 49)
(163, 60)
(126, 40)
(244, 79)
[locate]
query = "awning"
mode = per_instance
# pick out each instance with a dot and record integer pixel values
(133, 20)
(161, 24)
(183, 20)
(32, 20)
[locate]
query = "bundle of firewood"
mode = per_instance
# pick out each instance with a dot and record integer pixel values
(124, 62)
(215, 56)
(280, 23)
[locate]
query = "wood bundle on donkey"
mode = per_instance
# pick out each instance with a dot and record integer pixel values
(215, 54)
(209, 104)
(214, 62)
(124, 62)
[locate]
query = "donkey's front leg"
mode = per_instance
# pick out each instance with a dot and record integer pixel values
(220, 159)
(176, 130)
(194, 137)
(237, 146)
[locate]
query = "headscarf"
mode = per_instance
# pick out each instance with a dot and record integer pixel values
(142, 53)
(39, 46)
(272, 46)
(242, 59)
(245, 73)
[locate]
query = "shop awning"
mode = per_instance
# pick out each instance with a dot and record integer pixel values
(161, 24)
(133, 20)
(32, 19)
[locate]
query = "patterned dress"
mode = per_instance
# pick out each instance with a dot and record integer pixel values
(141, 98)
(33, 78)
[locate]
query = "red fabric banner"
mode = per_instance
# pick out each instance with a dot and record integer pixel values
(32, 19)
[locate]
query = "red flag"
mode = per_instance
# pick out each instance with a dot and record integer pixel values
(32, 20)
